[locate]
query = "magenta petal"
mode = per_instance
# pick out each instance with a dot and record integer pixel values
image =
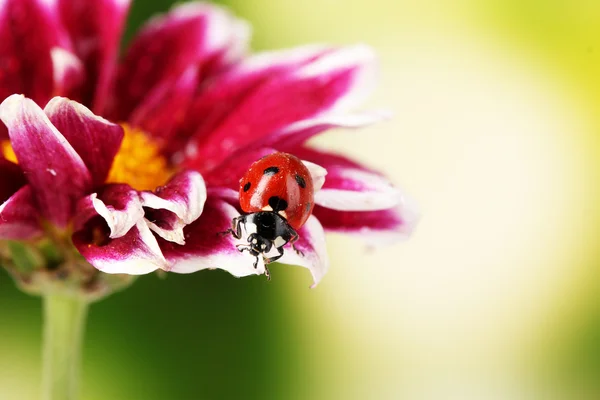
(374, 227)
(56, 173)
(335, 81)
(205, 248)
(314, 251)
(29, 31)
(192, 34)
(135, 253)
(298, 133)
(221, 95)
(95, 28)
(95, 139)
(177, 204)
(119, 205)
(19, 216)
(229, 173)
(11, 179)
(161, 112)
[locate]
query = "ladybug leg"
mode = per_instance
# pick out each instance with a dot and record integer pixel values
(275, 258)
(294, 238)
(236, 227)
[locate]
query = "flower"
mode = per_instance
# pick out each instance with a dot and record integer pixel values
(192, 111)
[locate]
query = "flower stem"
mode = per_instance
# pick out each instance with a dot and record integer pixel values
(64, 325)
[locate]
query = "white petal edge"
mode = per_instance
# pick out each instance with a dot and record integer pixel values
(378, 194)
(364, 80)
(136, 266)
(236, 263)
(119, 222)
(317, 261)
(317, 173)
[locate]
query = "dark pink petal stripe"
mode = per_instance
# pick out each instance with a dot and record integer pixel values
(95, 139)
(56, 173)
(95, 28)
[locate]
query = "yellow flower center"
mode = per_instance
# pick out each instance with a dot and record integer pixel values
(139, 162)
(7, 151)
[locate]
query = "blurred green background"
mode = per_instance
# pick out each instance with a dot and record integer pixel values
(496, 296)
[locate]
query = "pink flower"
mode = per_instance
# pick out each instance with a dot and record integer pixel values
(153, 189)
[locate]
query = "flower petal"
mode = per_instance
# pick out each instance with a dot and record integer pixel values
(229, 173)
(298, 133)
(56, 173)
(119, 205)
(190, 34)
(205, 248)
(95, 28)
(333, 82)
(350, 186)
(374, 227)
(182, 198)
(314, 251)
(12, 179)
(317, 173)
(29, 30)
(19, 216)
(163, 109)
(220, 96)
(135, 253)
(95, 139)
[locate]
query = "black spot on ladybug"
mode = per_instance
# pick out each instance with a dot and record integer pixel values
(277, 203)
(247, 186)
(308, 206)
(301, 181)
(271, 171)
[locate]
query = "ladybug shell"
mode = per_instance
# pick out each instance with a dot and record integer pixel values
(278, 182)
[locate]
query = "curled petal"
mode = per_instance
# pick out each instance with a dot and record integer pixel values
(335, 81)
(95, 139)
(175, 205)
(29, 32)
(206, 248)
(19, 216)
(119, 205)
(95, 28)
(313, 248)
(135, 253)
(56, 173)
(190, 34)
(317, 173)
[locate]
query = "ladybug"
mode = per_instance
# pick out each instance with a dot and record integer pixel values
(277, 197)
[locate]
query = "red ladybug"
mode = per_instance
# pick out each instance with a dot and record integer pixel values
(277, 195)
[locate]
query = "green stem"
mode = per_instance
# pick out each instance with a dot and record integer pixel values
(64, 323)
